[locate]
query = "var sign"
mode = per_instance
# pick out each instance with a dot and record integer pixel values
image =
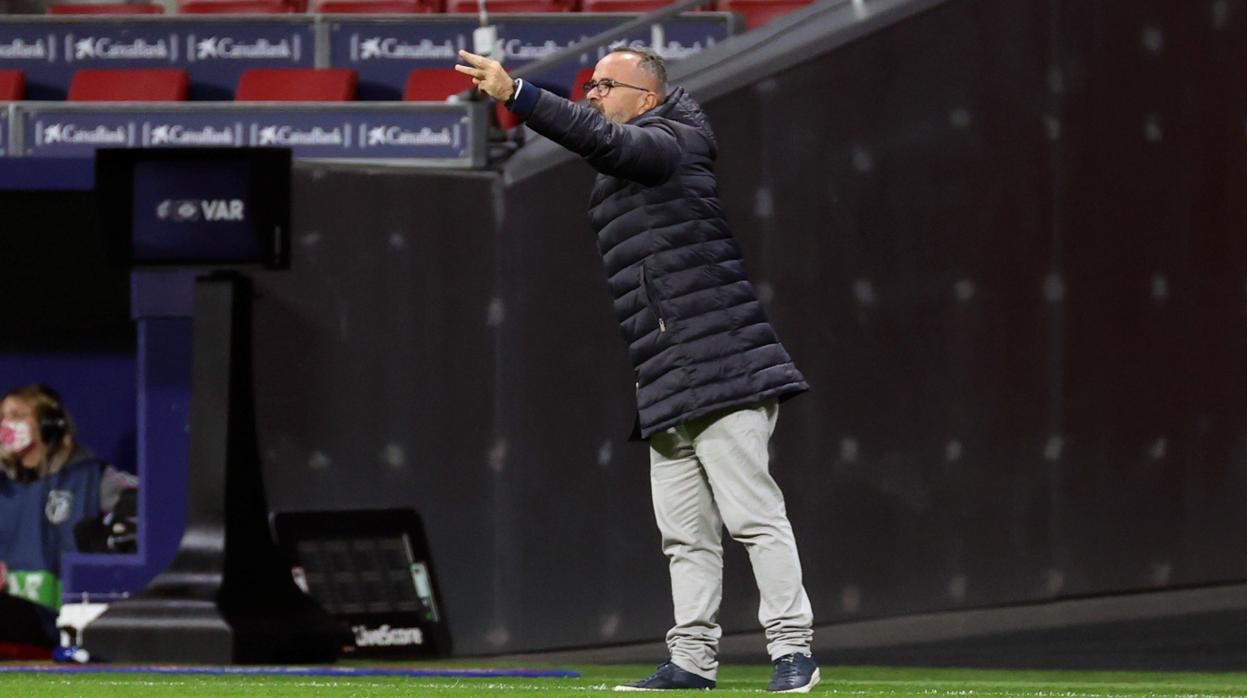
(223, 210)
(184, 210)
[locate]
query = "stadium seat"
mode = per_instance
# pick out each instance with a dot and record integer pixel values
(129, 85)
(296, 85)
(641, 6)
(12, 85)
(239, 7)
(506, 120)
(434, 84)
(583, 75)
(397, 7)
(759, 12)
(105, 8)
(500, 6)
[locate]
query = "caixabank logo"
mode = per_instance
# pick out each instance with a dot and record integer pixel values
(675, 50)
(22, 49)
(59, 133)
(158, 134)
(396, 48)
(382, 136)
(235, 48)
(107, 48)
(520, 50)
(262, 134)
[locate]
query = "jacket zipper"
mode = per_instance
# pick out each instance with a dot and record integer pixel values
(662, 324)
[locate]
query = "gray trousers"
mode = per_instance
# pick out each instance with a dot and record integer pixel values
(710, 473)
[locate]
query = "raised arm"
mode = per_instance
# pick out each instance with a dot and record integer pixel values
(648, 153)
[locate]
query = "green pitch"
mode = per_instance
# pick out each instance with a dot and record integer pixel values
(733, 680)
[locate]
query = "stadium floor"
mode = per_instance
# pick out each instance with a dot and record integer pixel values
(1175, 644)
(847, 681)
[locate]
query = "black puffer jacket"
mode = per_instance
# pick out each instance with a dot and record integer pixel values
(697, 334)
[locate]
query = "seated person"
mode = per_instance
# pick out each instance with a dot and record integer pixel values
(49, 485)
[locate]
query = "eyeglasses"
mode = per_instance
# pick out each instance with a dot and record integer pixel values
(605, 85)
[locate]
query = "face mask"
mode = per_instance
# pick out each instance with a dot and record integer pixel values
(15, 436)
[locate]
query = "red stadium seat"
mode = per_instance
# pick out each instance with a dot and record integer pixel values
(296, 85)
(633, 6)
(435, 84)
(759, 12)
(506, 120)
(239, 7)
(12, 85)
(105, 8)
(583, 75)
(641, 6)
(129, 85)
(470, 6)
(397, 7)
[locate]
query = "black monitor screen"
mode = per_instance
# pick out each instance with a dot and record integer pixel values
(196, 206)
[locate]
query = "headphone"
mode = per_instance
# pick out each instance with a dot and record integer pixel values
(53, 422)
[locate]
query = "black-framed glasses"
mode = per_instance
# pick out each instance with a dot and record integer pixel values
(605, 85)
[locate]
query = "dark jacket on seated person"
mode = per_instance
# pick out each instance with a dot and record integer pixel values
(38, 515)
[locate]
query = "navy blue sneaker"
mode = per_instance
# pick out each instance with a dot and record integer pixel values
(794, 673)
(669, 677)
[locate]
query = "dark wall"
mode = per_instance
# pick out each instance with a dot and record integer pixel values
(58, 288)
(1003, 239)
(66, 319)
(1013, 267)
(422, 353)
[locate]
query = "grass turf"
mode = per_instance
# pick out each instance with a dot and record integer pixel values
(846, 681)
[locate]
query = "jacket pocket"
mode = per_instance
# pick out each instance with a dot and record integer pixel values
(651, 299)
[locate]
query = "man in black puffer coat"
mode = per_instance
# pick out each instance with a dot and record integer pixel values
(710, 369)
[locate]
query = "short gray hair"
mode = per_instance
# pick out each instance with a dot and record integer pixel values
(651, 62)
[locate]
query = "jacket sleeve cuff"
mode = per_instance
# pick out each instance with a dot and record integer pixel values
(524, 99)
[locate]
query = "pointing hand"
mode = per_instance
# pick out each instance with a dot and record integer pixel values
(488, 76)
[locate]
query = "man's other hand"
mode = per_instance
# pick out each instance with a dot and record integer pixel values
(488, 76)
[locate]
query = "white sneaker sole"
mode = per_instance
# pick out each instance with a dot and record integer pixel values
(814, 679)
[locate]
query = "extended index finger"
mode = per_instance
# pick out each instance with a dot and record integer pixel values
(478, 61)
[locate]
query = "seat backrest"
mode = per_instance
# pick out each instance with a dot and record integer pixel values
(129, 85)
(237, 7)
(434, 84)
(760, 12)
(498, 6)
(641, 6)
(507, 120)
(583, 75)
(296, 85)
(398, 7)
(105, 8)
(12, 85)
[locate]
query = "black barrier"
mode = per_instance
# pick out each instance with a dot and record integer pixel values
(371, 570)
(225, 598)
